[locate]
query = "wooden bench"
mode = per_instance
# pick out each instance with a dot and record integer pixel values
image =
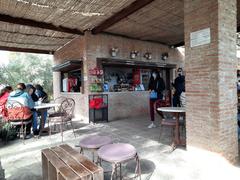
(64, 163)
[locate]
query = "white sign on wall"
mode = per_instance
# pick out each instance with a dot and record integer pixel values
(200, 37)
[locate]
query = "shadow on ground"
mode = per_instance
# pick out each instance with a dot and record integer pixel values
(128, 170)
(26, 173)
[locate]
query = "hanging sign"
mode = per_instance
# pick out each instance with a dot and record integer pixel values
(96, 72)
(200, 37)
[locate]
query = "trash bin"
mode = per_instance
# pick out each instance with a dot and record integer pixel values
(98, 108)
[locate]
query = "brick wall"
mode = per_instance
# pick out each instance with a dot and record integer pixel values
(90, 47)
(100, 45)
(211, 77)
(73, 50)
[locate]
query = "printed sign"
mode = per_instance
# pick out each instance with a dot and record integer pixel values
(96, 72)
(200, 37)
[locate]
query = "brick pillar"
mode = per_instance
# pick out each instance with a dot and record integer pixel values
(211, 77)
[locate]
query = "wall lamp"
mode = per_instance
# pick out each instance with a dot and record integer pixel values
(134, 54)
(164, 56)
(148, 55)
(114, 51)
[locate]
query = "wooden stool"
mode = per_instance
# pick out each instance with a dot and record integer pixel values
(93, 143)
(119, 153)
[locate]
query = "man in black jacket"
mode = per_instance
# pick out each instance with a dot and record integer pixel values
(179, 85)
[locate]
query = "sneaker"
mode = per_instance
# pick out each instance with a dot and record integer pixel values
(36, 132)
(152, 125)
(28, 136)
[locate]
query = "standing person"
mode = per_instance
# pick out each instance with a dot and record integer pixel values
(179, 85)
(156, 87)
(4, 93)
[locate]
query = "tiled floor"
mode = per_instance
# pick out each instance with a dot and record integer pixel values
(23, 162)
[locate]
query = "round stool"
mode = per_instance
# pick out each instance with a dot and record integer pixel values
(93, 143)
(116, 154)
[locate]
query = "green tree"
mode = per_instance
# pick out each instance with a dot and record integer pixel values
(28, 68)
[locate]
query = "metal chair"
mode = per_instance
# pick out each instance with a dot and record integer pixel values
(58, 100)
(63, 116)
(56, 109)
(182, 120)
(167, 120)
(19, 115)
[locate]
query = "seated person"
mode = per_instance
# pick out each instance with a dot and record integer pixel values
(30, 89)
(4, 93)
(25, 99)
(41, 94)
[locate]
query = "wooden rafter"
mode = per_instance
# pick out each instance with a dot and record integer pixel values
(238, 29)
(31, 44)
(135, 6)
(178, 44)
(36, 35)
(36, 24)
(27, 50)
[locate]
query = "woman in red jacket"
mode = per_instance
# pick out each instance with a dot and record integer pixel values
(4, 93)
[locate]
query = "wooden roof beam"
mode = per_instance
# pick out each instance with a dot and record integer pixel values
(135, 6)
(26, 50)
(238, 28)
(178, 44)
(37, 24)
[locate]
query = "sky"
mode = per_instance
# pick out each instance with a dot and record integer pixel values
(4, 57)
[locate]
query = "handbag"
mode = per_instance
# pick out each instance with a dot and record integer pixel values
(153, 95)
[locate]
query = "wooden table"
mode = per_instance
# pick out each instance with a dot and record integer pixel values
(64, 163)
(42, 108)
(176, 111)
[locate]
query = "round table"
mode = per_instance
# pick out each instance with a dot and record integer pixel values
(93, 143)
(118, 153)
(176, 111)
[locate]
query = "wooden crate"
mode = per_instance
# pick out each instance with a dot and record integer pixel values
(64, 163)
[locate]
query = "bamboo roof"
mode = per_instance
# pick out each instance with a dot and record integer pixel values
(161, 20)
(23, 36)
(75, 14)
(47, 25)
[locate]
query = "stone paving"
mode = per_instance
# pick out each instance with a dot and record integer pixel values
(23, 161)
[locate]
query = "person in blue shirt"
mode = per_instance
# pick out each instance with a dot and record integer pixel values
(20, 95)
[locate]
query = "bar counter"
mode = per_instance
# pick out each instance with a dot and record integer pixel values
(127, 104)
